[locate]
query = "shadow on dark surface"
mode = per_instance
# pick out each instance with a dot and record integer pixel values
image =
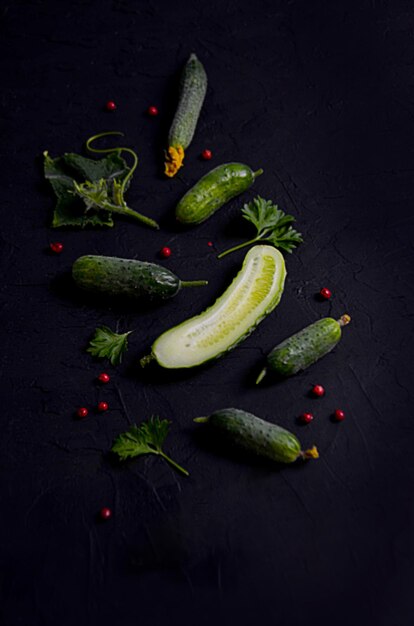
(155, 374)
(237, 226)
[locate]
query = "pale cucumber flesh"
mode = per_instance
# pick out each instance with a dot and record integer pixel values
(253, 294)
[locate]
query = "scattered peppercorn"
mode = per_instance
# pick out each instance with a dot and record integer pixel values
(306, 418)
(102, 407)
(153, 111)
(82, 412)
(339, 415)
(206, 155)
(318, 391)
(105, 513)
(104, 378)
(210, 243)
(56, 247)
(325, 293)
(165, 252)
(110, 105)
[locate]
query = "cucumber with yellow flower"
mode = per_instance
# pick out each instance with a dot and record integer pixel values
(193, 87)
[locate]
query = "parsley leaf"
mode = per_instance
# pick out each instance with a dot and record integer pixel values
(106, 343)
(148, 438)
(272, 225)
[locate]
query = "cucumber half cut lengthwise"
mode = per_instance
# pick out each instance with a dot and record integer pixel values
(253, 294)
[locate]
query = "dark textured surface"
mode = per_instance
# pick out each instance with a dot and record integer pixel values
(319, 94)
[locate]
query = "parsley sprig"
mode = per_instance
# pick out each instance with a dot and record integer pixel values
(272, 225)
(107, 344)
(147, 438)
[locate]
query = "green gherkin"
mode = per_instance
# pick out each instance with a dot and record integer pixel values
(193, 87)
(304, 347)
(214, 189)
(255, 435)
(115, 277)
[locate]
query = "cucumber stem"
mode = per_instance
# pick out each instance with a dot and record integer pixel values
(193, 283)
(173, 463)
(201, 420)
(344, 320)
(257, 173)
(146, 360)
(124, 210)
(238, 247)
(261, 375)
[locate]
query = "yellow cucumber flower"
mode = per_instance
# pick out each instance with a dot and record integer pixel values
(174, 160)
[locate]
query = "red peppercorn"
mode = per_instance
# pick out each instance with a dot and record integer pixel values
(339, 415)
(104, 378)
(165, 252)
(306, 418)
(153, 111)
(105, 513)
(325, 293)
(56, 247)
(318, 391)
(206, 155)
(82, 412)
(210, 243)
(102, 407)
(110, 105)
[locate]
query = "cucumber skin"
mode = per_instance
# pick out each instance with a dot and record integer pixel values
(304, 347)
(112, 276)
(193, 87)
(256, 435)
(212, 191)
(272, 305)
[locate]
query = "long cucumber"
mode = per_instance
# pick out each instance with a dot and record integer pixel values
(129, 278)
(253, 294)
(193, 86)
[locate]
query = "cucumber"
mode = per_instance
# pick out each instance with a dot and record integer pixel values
(304, 347)
(253, 294)
(193, 87)
(255, 435)
(213, 190)
(129, 278)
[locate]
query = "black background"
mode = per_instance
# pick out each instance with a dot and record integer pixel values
(319, 94)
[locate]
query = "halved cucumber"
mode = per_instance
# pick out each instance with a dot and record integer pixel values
(253, 294)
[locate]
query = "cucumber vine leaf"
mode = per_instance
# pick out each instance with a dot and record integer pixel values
(90, 191)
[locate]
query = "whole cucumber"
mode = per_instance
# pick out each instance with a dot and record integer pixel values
(304, 347)
(213, 190)
(193, 87)
(129, 278)
(257, 436)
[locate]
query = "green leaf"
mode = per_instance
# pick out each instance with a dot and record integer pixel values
(272, 226)
(64, 172)
(148, 438)
(285, 239)
(107, 344)
(110, 167)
